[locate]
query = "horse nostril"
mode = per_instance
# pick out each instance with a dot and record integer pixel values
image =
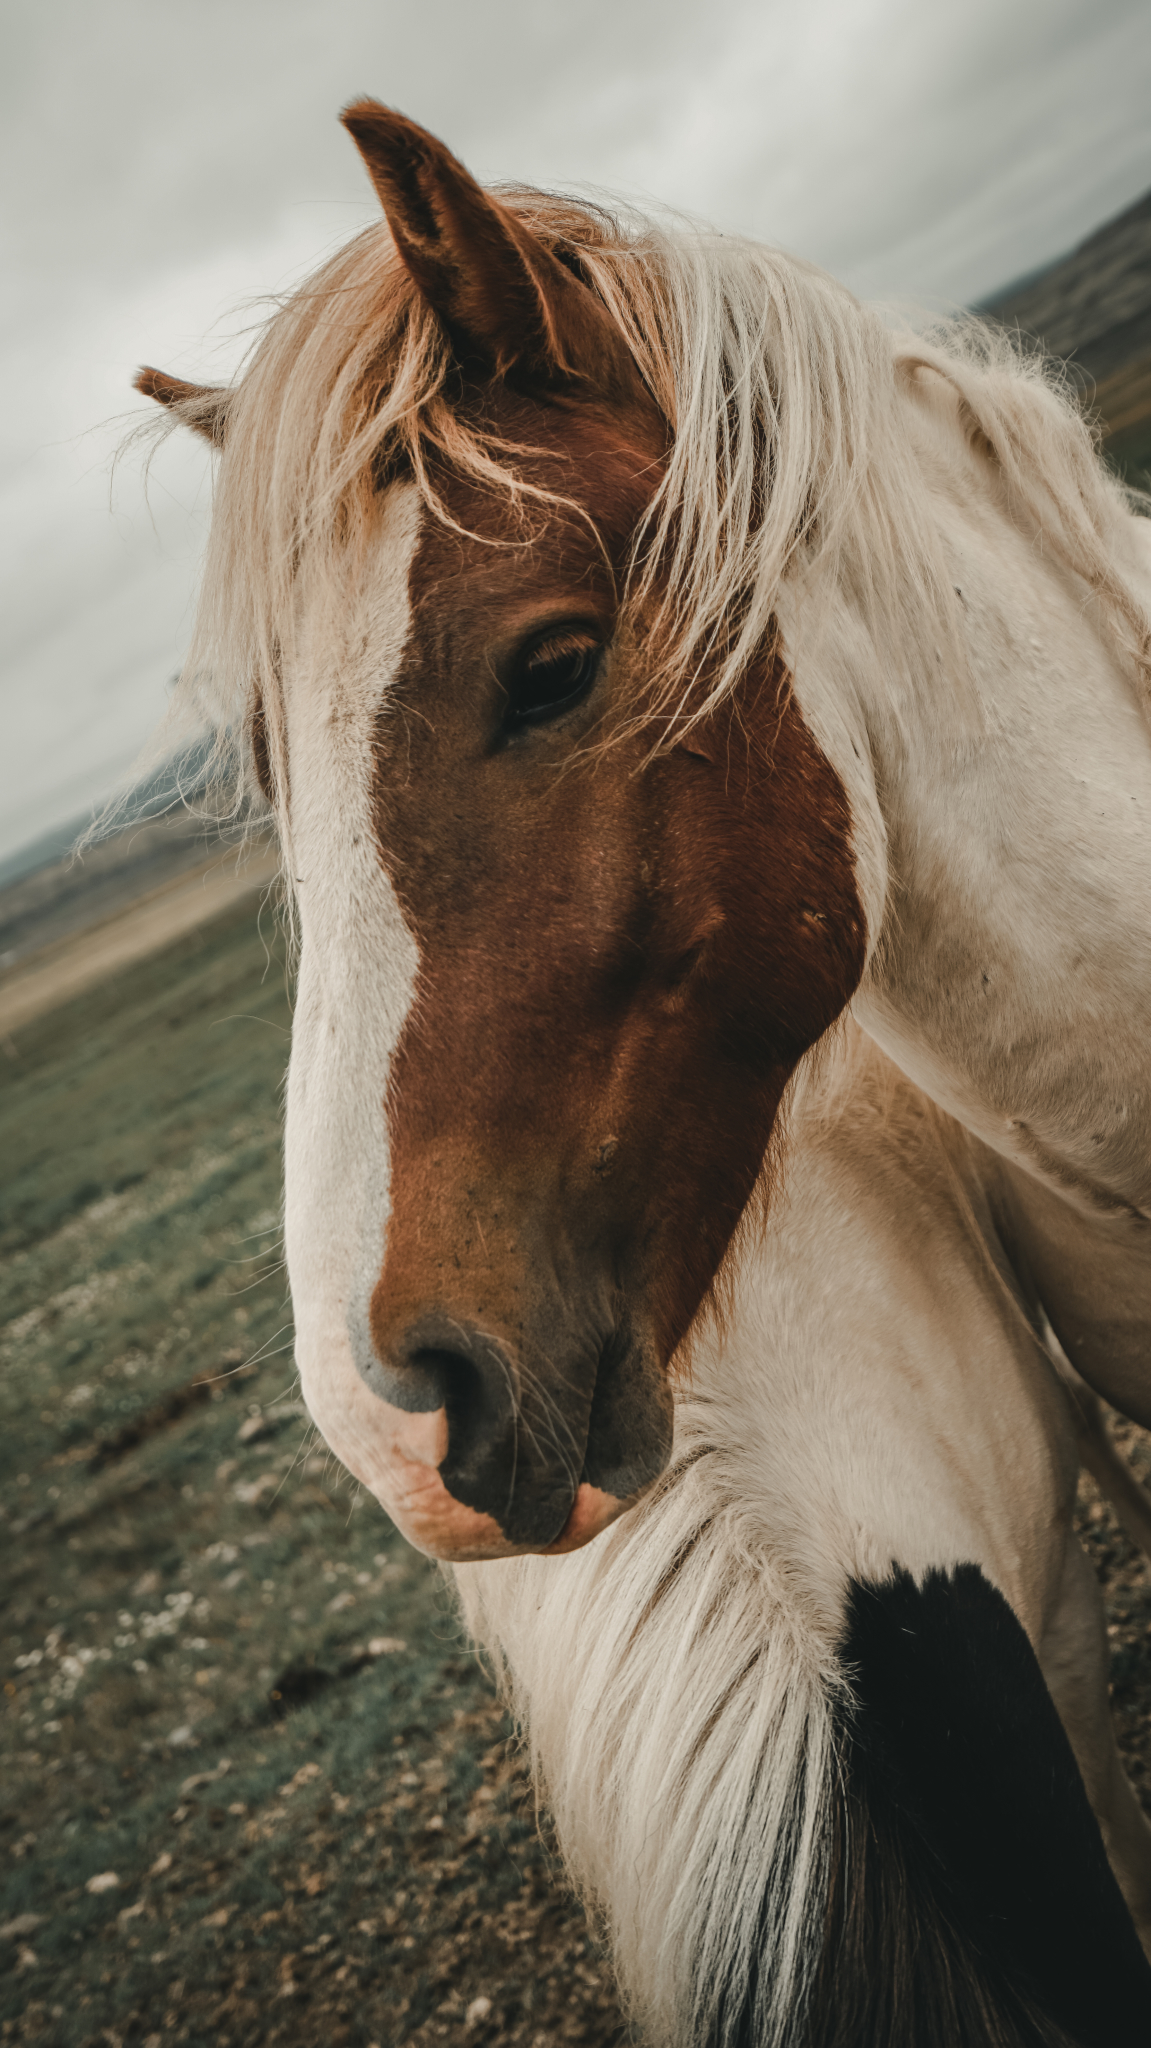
(470, 1377)
(513, 1443)
(493, 1462)
(451, 1376)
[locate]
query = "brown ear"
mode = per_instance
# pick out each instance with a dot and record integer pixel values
(509, 305)
(203, 407)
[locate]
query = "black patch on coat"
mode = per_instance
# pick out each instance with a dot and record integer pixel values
(970, 1901)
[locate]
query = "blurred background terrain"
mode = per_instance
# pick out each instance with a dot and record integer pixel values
(253, 1785)
(1093, 308)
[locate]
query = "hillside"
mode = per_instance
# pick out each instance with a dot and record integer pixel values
(1093, 307)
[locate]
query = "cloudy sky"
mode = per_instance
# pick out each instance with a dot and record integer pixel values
(165, 164)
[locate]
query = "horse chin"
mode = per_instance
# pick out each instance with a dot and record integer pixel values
(445, 1529)
(442, 1527)
(399, 1464)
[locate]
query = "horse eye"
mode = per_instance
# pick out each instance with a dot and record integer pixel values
(550, 678)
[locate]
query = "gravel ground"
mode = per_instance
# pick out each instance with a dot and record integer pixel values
(253, 1785)
(1125, 1573)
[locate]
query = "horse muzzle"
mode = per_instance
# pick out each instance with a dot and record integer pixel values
(483, 1454)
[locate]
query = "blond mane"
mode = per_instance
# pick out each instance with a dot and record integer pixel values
(793, 458)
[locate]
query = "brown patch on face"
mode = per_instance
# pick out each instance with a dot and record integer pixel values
(622, 961)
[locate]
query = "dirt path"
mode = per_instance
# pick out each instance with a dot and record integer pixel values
(56, 974)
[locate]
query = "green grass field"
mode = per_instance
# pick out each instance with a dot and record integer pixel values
(254, 1787)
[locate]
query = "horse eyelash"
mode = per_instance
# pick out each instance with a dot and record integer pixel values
(562, 644)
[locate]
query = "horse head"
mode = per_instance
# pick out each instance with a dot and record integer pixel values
(559, 958)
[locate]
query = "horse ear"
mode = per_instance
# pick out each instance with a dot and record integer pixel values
(203, 407)
(508, 303)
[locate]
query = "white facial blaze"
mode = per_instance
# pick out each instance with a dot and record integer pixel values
(358, 967)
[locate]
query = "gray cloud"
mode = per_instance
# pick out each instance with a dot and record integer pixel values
(164, 167)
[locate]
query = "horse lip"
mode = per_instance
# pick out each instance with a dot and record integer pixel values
(443, 1527)
(459, 1535)
(435, 1522)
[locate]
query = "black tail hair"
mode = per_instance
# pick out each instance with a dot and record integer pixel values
(970, 1900)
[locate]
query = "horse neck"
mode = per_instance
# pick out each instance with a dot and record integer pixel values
(1004, 854)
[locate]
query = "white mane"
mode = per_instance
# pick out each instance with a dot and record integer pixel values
(688, 1756)
(797, 457)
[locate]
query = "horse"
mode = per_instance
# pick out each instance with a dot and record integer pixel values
(651, 661)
